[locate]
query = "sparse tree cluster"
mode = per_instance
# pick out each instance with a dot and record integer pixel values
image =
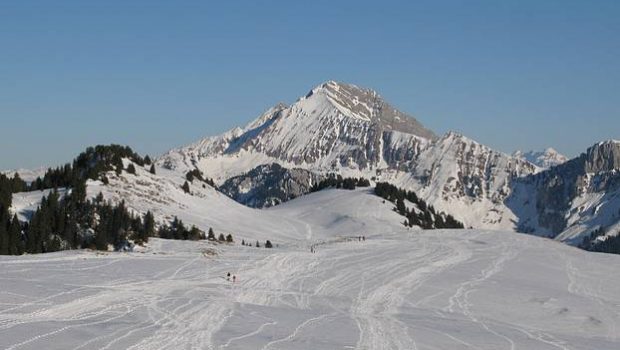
(611, 244)
(221, 237)
(596, 241)
(197, 174)
(425, 216)
(337, 181)
(177, 230)
(267, 244)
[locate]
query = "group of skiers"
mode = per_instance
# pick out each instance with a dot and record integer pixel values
(228, 277)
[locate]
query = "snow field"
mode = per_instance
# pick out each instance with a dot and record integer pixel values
(418, 290)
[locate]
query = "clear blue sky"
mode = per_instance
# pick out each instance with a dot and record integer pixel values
(156, 75)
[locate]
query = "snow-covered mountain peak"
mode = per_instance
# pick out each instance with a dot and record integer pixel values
(542, 159)
(358, 103)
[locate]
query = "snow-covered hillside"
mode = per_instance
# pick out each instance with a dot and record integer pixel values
(396, 290)
(24, 204)
(207, 208)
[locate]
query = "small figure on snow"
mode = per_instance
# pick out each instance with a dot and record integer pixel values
(228, 276)
(234, 278)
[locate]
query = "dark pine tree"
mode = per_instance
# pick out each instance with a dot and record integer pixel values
(185, 187)
(4, 234)
(131, 169)
(152, 170)
(101, 235)
(148, 227)
(211, 235)
(268, 244)
(229, 238)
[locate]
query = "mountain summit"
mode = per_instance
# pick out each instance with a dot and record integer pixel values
(334, 126)
(367, 105)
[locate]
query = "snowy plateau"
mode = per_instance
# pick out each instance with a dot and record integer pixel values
(344, 272)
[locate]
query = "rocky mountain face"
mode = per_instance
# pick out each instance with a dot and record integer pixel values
(543, 159)
(341, 128)
(269, 185)
(580, 194)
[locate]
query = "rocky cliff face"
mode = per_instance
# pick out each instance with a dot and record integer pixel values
(575, 197)
(269, 185)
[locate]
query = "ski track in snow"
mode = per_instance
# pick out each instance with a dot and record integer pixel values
(415, 290)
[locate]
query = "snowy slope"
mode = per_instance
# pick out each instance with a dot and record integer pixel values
(207, 208)
(414, 290)
(24, 204)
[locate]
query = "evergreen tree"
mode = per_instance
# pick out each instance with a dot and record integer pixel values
(118, 165)
(195, 234)
(152, 170)
(268, 244)
(400, 206)
(148, 227)
(211, 235)
(242, 242)
(131, 169)
(229, 238)
(147, 160)
(257, 244)
(185, 187)
(101, 236)
(221, 237)
(4, 234)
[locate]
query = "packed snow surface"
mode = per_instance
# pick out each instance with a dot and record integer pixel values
(397, 289)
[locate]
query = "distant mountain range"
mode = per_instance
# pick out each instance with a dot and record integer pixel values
(543, 159)
(341, 128)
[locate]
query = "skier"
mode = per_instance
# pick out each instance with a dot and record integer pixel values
(234, 278)
(228, 276)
